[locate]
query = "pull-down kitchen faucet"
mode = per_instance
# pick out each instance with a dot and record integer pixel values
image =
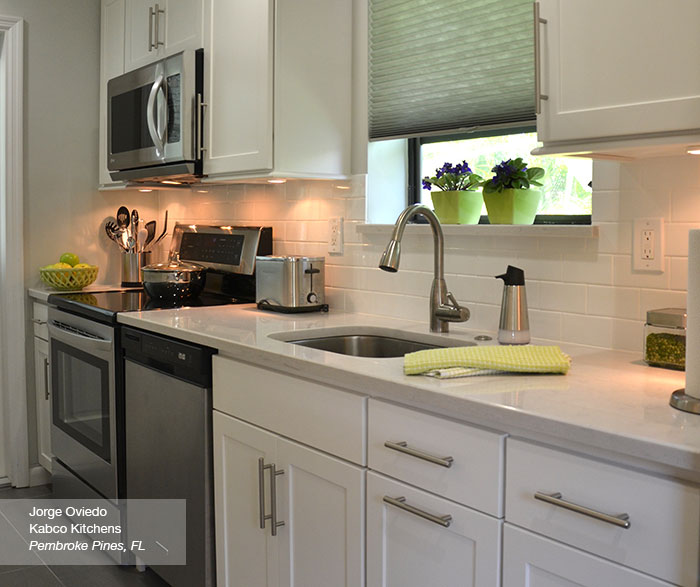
(443, 306)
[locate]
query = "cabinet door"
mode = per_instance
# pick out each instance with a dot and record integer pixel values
(43, 402)
(407, 550)
(321, 502)
(238, 85)
(140, 41)
(111, 65)
(246, 555)
(533, 561)
(611, 69)
(183, 26)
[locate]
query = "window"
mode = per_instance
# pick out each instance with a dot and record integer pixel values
(566, 190)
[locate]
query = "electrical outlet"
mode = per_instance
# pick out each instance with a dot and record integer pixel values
(335, 235)
(648, 245)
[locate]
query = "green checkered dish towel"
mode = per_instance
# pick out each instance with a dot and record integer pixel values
(451, 362)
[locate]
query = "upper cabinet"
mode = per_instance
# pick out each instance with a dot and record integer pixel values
(278, 80)
(618, 75)
(156, 29)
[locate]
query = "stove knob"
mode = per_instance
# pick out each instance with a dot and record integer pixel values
(312, 298)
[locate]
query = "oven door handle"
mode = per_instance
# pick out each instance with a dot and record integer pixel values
(156, 128)
(83, 343)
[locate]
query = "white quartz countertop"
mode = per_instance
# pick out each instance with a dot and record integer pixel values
(610, 404)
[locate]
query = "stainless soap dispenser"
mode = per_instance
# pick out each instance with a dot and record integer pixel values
(514, 326)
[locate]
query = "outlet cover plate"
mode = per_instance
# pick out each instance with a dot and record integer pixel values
(648, 245)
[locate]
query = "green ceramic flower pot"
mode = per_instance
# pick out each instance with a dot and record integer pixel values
(457, 207)
(512, 206)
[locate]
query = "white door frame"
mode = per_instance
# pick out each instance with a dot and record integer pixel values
(14, 436)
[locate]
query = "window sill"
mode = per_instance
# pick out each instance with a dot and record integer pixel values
(530, 230)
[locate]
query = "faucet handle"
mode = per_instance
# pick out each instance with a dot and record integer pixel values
(452, 312)
(452, 299)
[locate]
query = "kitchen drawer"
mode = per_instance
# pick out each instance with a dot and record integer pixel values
(405, 549)
(317, 415)
(40, 317)
(533, 561)
(663, 515)
(475, 473)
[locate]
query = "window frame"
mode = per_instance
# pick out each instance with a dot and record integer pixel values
(414, 179)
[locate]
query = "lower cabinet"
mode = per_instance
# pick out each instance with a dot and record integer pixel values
(43, 402)
(416, 539)
(285, 514)
(530, 560)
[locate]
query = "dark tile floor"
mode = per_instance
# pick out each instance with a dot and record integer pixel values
(70, 576)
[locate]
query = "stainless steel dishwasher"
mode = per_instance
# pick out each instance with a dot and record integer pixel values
(169, 444)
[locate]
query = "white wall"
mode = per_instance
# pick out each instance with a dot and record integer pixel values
(63, 210)
(579, 290)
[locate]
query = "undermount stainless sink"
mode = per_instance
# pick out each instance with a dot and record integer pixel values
(372, 342)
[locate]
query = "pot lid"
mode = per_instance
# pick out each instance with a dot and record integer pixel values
(173, 265)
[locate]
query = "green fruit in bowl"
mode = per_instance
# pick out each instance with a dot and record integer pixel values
(70, 258)
(82, 266)
(61, 266)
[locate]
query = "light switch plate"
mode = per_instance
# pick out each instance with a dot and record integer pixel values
(648, 246)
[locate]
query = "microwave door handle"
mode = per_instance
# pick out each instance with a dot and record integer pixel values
(150, 119)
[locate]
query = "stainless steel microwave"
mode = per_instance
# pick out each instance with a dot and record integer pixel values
(154, 121)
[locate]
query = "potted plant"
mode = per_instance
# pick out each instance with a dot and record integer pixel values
(508, 196)
(457, 201)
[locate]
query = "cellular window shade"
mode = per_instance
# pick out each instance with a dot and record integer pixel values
(445, 65)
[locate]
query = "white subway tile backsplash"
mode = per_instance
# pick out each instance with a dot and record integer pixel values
(579, 290)
(653, 299)
(679, 273)
(621, 302)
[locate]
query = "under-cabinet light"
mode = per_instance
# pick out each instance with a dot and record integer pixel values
(694, 150)
(276, 181)
(171, 182)
(145, 190)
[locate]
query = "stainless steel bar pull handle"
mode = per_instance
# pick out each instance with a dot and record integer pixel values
(400, 502)
(272, 516)
(539, 96)
(404, 448)
(46, 378)
(150, 29)
(261, 492)
(201, 105)
(621, 520)
(157, 12)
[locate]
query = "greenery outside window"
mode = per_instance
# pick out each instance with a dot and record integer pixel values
(567, 182)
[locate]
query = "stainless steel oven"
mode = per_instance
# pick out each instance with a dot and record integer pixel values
(84, 380)
(154, 120)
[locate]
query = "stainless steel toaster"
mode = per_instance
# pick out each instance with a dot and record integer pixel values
(290, 284)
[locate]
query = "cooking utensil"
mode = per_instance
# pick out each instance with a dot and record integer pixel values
(114, 233)
(135, 228)
(150, 232)
(175, 280)
(123, 217)
(165, 229)
(132, 267)
(142, 235)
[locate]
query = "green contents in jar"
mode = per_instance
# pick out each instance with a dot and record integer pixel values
(666, 350)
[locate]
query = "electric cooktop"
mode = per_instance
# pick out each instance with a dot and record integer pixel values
(103, 306)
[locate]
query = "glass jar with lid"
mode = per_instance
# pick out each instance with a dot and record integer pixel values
(664, 338)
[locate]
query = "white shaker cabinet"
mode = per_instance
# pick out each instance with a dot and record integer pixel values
(415, 539)
(314, 501)
(42, 384)
(534, 561)
(620, 69)
(278, 88)
(158, 28)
